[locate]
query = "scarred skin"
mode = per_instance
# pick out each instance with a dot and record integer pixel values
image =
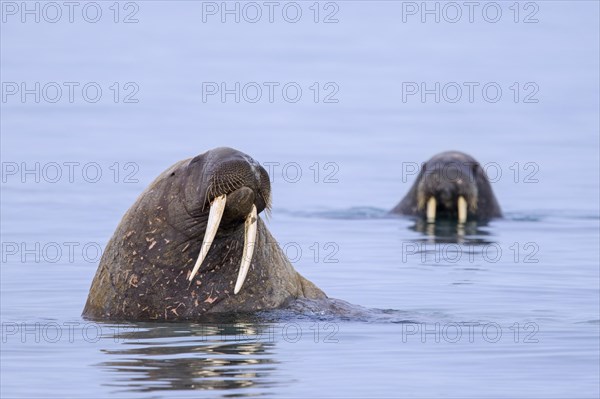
(446, 176)
(144, 269)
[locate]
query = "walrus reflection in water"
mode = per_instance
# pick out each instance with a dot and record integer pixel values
(453, 186)
(193, 244)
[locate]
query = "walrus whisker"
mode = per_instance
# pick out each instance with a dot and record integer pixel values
(420, 199)
(237, 181)
(250, 229)
(267, 201)
(208, 194)
(431, 207)
(214, 218)
(473, 203)
(462, 209)
(268, 214)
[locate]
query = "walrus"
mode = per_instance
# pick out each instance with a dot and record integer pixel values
(453, 186)
(193, 244)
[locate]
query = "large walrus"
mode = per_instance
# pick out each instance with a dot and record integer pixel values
(193, 244)
(451, 185)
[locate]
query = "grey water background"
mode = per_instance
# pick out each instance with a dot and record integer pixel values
(529, 318)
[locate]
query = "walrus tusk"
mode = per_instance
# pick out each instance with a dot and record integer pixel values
(214, 218)
(462, 209)
(431, 205)
(250, 228)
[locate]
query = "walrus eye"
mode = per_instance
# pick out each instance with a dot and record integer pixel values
(250, 230)
(431, 205)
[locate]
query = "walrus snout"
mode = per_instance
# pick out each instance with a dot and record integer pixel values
(239, 205)
(228, 170)
(447, 190)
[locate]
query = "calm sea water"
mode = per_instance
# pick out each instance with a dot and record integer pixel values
(510, 309)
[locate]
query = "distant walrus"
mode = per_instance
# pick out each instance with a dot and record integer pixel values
(193, 243)
(451, 185)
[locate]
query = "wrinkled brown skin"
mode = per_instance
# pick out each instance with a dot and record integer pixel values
(144, 269)
(447, 176)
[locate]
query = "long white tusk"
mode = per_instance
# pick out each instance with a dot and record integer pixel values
(462, 209)
(431, 205)
(214, 218)
(250, 228)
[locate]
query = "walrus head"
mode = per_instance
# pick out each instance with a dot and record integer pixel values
(193, 243)
(448, 187)
(236, 190)
(451, 185)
